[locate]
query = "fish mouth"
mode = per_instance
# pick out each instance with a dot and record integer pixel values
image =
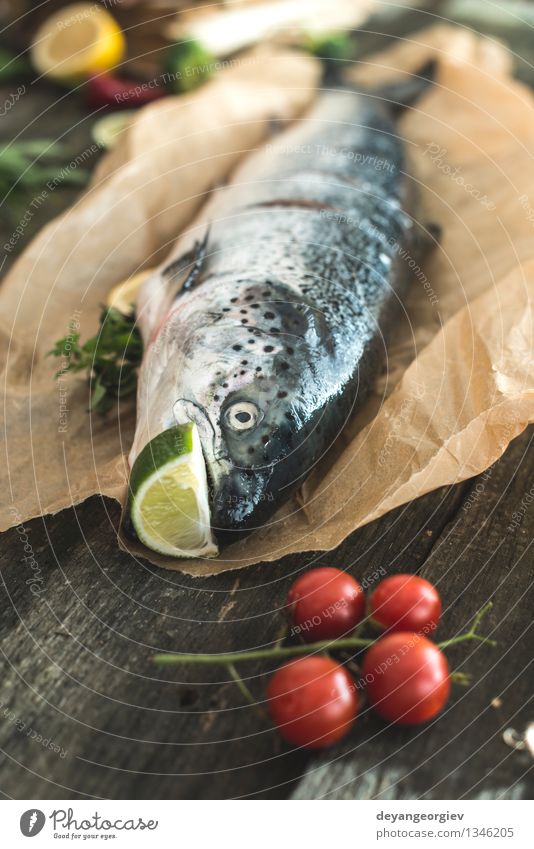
(184, 411)
(217, 464)
(243, 503)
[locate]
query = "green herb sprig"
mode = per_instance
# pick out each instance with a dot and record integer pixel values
(26, 166)
(19, 161)
(111, 358)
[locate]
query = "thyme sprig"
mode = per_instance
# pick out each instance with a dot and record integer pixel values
(111, 358)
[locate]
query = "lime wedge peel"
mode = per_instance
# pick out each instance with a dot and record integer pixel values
(168, 503)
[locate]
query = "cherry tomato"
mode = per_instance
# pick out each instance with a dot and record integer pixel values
(406, 603)
(406, 678)
(312, 701)
(325, 604)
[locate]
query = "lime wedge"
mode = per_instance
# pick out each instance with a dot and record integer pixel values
(168, 504)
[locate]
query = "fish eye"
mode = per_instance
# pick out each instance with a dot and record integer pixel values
(243, 415)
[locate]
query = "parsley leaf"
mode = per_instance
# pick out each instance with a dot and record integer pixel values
(111, 358)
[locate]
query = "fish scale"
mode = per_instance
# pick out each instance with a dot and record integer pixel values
(281, 328)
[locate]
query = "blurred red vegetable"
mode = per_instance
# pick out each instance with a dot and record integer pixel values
(325, 604)
(119, 93)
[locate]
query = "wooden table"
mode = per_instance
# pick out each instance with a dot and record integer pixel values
(84, 713)
(77, 669)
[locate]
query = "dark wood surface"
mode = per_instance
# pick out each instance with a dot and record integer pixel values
(76, 657)
(76, 661)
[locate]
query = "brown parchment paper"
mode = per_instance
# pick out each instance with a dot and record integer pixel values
(143, 195)
(459, 382)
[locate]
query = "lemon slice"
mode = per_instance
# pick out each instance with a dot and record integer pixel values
(77, 41)
(123, 296)
(168, 503)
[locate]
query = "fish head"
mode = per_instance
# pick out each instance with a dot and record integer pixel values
(259, 442)
(258, 393)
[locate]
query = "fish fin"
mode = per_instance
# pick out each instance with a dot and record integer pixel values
(434, 231)
(429, 236)
(185, 271)
(402, 93)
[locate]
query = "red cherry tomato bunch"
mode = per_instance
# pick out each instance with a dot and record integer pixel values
(314, 701)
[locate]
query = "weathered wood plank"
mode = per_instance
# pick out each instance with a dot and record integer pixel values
(77, 660)
(478, 556)
(115, 614)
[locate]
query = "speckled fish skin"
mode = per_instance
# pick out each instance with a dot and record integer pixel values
(305, 267)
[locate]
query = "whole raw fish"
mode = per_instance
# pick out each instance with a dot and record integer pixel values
(268, 326)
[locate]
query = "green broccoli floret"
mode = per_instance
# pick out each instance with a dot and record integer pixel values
(187, 65)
